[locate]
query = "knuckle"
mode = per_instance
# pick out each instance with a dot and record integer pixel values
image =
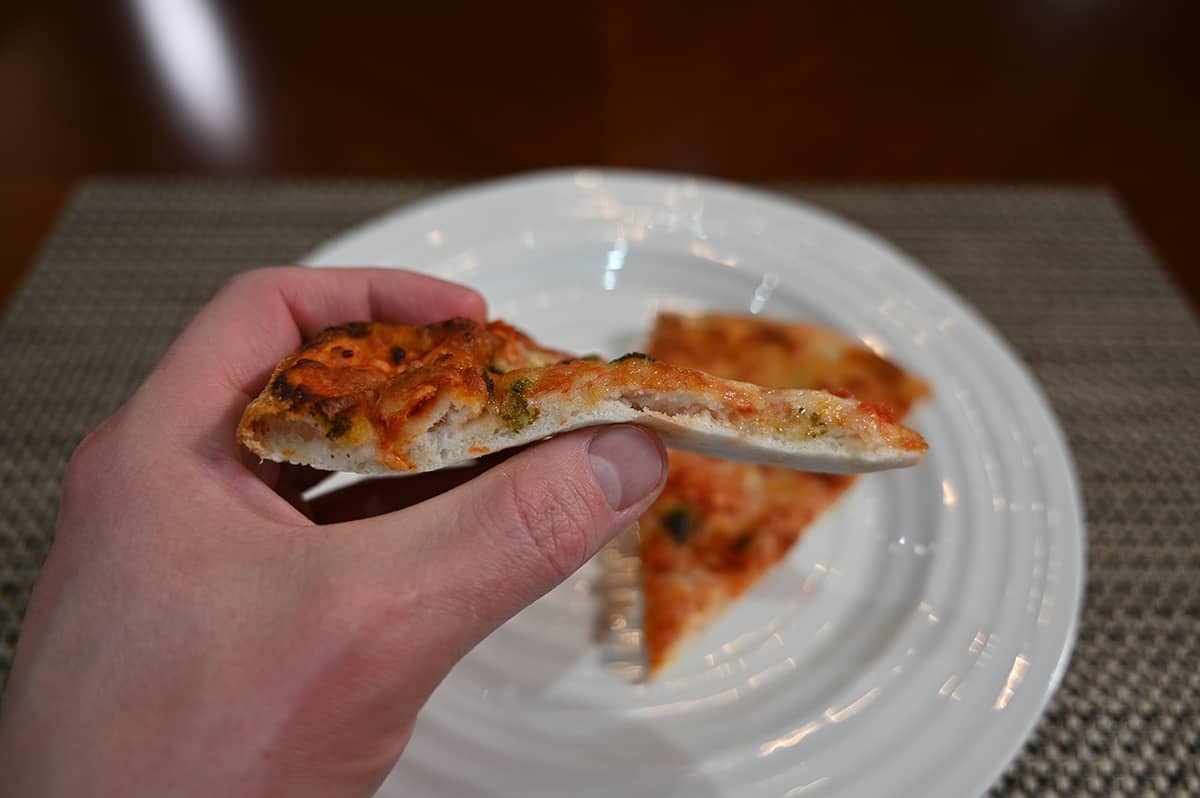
(556, 519)
(89, 480)
(83, 468)
(243, 281)
(259, 279)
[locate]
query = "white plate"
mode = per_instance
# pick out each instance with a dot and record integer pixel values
(912, 638)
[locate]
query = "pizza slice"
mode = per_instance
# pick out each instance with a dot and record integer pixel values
(378, 398)
(719, 525)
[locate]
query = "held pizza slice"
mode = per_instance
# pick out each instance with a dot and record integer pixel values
(377, 398)
(719, 526)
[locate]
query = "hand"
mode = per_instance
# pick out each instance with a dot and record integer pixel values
(195, 633)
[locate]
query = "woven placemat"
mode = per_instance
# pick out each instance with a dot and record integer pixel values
(1060, 272)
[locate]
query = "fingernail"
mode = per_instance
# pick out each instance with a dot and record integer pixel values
(627, 464)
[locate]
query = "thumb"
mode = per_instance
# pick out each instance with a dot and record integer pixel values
(466, 561)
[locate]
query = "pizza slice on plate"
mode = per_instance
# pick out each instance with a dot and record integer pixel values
(720, 525)
(377, 398)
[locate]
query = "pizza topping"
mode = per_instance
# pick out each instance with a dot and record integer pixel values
(680, 523)
(515, 411)
(398, 354)
(782, 355)
(816, 424)
(335, 405)
(881, 411)
(284, 391)
(630, 356)
(356, 329)
(340, 426)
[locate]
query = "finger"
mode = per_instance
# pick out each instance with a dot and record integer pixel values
(468, 560)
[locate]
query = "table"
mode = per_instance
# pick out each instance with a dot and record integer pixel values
(1060, 271)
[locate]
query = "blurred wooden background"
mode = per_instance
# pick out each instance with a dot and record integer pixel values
(995, 91)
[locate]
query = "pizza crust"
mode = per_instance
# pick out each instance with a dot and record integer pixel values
(692, 427)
